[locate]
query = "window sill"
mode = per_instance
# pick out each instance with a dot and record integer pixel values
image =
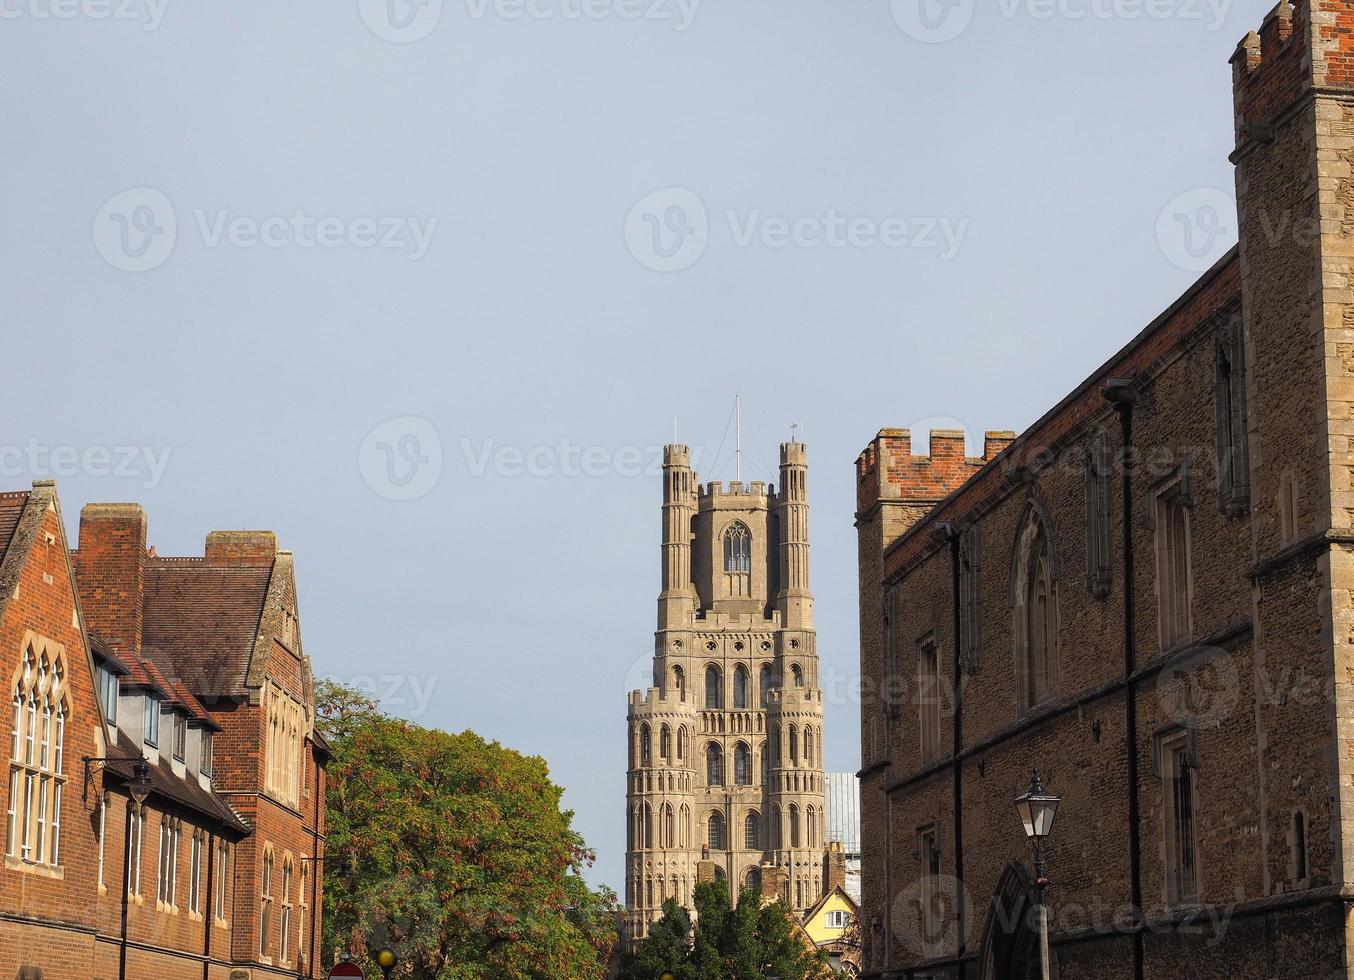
(28, 867)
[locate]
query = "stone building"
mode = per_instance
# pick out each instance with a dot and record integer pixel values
(164, 787)
(725, 762)
(1149, 595)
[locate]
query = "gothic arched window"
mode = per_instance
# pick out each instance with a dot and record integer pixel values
(794, 825)
(738, 549)
(766, 763)
(715, 832)
(797, 675)
(752, 832)
(754, 884)
(794, 746)
(714, 765)
(1034, 595)
(714, 695)
(764, 684)
(37, 747)
(645, 746)
(808, 746)
(740, 686)
(742, 765)
(679, 682)
(681, 743)
(665, 743)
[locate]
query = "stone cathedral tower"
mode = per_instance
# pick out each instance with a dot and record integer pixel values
(726, 765)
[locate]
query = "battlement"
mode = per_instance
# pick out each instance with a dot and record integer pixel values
(789, 698)
(675, 454)
(888, 470)
(652, 702)
(1299, 46)
(794, 454)
(736, 488)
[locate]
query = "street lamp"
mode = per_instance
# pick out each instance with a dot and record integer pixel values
(140, 783)
(1037, 808)
(386, 960)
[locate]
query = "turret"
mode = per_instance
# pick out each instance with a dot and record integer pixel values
(677, 602)
(794, 600)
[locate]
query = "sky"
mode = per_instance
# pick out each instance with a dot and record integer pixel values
(423, 288)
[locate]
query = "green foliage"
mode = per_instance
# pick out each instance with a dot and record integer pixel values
(746, 942)
(464, 863)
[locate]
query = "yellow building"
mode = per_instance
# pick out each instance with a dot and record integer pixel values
(831, 925)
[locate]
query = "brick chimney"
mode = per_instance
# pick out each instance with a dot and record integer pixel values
(241, 548)
(834, 866)
(110, 571)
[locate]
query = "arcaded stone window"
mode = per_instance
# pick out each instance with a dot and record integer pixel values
(714, 682)
(738, 549)
(715, 832)
(752, 832)
(645, 746)
(37, 779)
(1177, 766)
(794, 825)
(665, 743)
(1229, 398)
(1174, 581)
(679, 682)
(1098, 503)
(740, 686)
(928, 699)
(714, 766)
(970, 651)
(742, 765)
(764, 685)
(1034, 593)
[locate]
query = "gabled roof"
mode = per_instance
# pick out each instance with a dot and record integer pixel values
(818, 905)
(201, 621)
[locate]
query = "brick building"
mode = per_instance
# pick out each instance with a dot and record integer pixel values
(181, 681)
(1164, 631)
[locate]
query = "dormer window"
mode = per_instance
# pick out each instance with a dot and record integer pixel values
(180, 723)
(204, 765)
(109, 685)
(151, 725)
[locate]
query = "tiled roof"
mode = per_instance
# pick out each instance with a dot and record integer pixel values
(185, 791)
(200, 622)
(11, 507)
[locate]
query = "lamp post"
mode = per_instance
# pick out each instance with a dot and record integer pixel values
(386, 960)
(1037, 808)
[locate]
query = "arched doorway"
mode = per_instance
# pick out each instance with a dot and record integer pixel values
(1010, 944)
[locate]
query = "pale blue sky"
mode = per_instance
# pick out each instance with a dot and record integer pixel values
(1031, 173)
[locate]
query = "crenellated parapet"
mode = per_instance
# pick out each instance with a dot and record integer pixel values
(888, 470)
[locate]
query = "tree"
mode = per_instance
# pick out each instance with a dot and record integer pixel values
(748, 942)
(464, 863)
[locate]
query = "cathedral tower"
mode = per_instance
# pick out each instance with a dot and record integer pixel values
(726, 768)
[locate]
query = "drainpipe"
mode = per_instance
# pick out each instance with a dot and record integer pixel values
(209, 907)
(1122, 395)
(944, 532)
